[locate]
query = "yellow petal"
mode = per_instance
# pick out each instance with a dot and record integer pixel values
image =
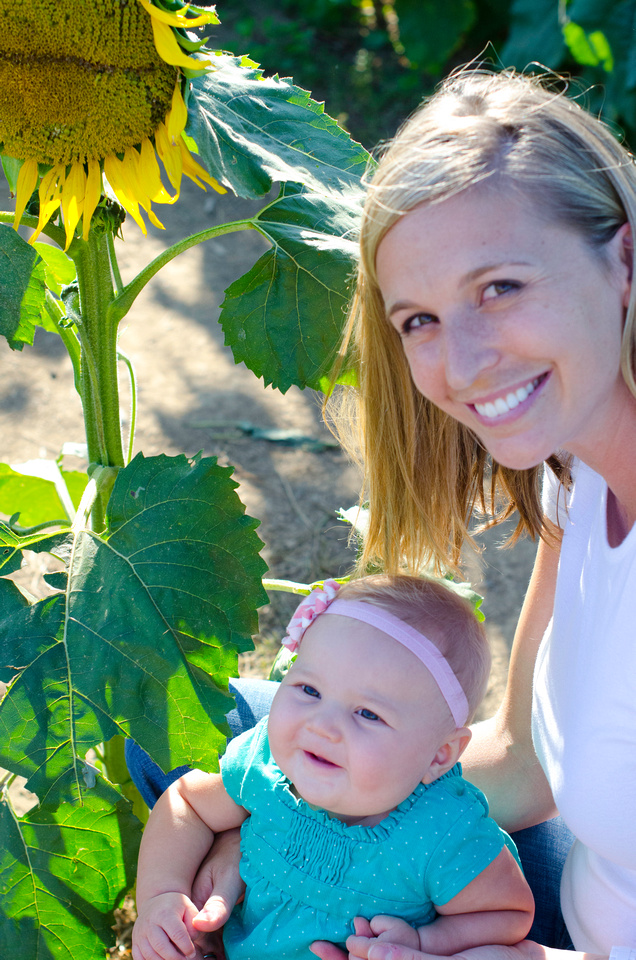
(73, 199)
(195, 171)
(150, 174)
(50, 194)
(27, 179)
(132, 167)
(116, 176)
(179, 19)
(170, 51)
(170, 156)
(92, 194)
(177, 116)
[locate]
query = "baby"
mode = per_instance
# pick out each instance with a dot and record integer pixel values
(350, 794)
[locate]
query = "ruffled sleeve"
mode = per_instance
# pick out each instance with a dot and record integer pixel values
(244, 765)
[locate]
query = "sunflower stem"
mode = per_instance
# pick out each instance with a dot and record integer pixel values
(119, 283)
(98, 376)
(68, 335)
(125, 299)
(133, 402)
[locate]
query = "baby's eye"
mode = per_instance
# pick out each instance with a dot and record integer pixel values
(310, 691)
(368, 714)
(498, 288)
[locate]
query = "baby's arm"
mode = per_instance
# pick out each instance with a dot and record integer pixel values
(496, 907)
(177, 836)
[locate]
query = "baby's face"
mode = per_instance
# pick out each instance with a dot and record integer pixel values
(358, 721)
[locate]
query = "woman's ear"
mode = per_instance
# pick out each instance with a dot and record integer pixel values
(448, 754)
(625, 242)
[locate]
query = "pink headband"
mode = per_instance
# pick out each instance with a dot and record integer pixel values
(322, 600)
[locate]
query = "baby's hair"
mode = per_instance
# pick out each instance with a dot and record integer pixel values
(442, 615)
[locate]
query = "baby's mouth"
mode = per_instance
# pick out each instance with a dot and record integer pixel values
(315, 758)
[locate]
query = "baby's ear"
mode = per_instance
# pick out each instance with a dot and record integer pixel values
(448, 754)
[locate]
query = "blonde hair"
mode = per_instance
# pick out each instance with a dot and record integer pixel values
(442, 615)
(425, 473)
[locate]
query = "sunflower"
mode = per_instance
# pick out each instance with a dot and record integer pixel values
(93, 90)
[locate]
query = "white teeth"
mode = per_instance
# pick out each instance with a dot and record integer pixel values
(496, 408)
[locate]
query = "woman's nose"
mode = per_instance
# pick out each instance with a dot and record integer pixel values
(469, 350)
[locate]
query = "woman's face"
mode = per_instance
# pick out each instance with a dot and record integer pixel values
(509, 323)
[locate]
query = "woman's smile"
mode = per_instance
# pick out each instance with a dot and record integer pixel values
(498, 406)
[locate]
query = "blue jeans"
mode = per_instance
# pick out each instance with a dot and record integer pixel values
(542, 849)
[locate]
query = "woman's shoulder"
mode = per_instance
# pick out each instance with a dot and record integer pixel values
(558, 499)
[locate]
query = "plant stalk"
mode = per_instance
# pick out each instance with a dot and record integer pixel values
(97, 330)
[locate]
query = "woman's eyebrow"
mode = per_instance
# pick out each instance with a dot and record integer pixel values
(402, 305)
(504, 264)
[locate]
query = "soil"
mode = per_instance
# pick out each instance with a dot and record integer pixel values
(192, 396)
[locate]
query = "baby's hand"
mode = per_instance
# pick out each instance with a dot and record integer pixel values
(164, 928)
(389, 929)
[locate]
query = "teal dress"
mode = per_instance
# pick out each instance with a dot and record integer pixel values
(308, 875)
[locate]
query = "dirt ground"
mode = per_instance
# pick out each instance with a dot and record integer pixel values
(192, 396)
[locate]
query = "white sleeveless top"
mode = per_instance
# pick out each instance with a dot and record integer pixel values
(584, 715)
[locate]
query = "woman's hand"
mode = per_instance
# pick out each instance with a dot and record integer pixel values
(218, 887)
(365, 944)
(376, 949)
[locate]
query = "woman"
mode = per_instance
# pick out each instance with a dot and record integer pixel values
(494, 315)
(494, 312)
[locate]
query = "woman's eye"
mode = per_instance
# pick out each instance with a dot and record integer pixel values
(310, 691)
(367, 714)
(417, 321)
(498, 288)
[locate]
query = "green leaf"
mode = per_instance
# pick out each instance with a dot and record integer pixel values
(22, 289)
(11, 167)
(34, 498)
(589, 49)
(59, 268)
(252, 131)
(12, 545)
(284, 318)
(61, 874)
(144, 639)
(535, 35)
(430, 31)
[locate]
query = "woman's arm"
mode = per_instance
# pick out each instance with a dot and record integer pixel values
(500, 758)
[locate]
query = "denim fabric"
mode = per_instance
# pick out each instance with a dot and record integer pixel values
(542, 849)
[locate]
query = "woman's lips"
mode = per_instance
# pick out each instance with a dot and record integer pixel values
(503, 404)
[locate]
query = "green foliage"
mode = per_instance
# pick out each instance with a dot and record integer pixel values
(252, 130)
(284, 318)
(378, 59)
(61, 870)
(145, 634)
(22, 289)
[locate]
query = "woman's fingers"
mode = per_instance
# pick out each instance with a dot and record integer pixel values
(213, 913)
(219, 876)
(327, 951)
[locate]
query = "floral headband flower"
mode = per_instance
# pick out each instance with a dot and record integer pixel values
(307, 611)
